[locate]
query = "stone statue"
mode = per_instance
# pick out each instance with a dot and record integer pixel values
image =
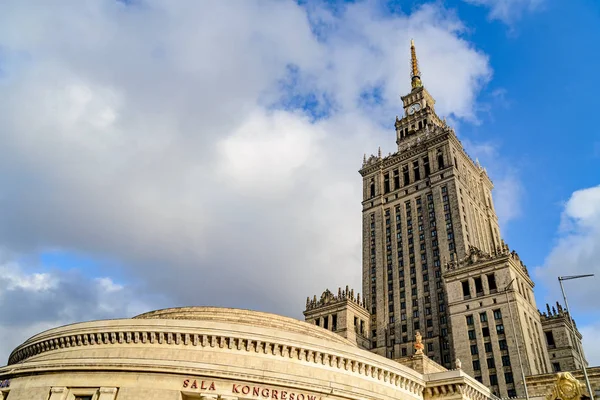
(419, 343)
(458, 363)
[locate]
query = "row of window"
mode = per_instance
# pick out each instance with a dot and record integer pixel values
(491, 363)
(324, 322)
(392, 180)
(485, 331)
(478, 283)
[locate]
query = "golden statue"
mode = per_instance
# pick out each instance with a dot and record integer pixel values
(565, 388)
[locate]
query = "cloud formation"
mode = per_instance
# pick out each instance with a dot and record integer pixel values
(577, 250)
(507, 11)
(212, 151)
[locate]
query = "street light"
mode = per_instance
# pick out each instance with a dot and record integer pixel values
(579, 347)
(516, 339)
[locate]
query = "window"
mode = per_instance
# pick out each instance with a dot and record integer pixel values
(502, 344)
(490, 363)
(440, 161)
(416, 170)
(488, 347)
(512, 393)
(483, 317)
(405, 175)
(556, 366)
(476, 365)
(549, 338)
(396, 179)
(404, 351)
(493, 379)
(492, 282)
(506, 361)
(478, 286)
(386, 183)
(500, 329)
(426, 166)
(474, 349)
(466, 290)
(508, 377)
(469, 320)
(485, 331)
(472, 334)
(334, 322)
(83, 397)
(497, 314)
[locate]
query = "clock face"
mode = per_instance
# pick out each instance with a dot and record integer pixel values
(413, 108)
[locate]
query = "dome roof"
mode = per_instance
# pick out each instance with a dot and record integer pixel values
(236, 316)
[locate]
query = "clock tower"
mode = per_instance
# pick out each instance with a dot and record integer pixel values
(418, 104)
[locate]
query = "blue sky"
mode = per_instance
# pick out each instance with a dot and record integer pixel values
(205, 154)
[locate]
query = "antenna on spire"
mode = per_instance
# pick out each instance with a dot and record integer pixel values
(415, 74)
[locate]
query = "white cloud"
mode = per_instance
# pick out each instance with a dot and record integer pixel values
(508, 11)
(577, 251)
(34, 301)
(591, 344)
(176, 140)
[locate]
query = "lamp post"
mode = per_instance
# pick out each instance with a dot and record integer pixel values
(516, 341)
(579, 347)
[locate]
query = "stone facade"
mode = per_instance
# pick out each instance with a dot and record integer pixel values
(214, 354)
(563, 339)
(493, 311)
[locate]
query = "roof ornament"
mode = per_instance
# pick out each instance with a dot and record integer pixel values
(415, 73)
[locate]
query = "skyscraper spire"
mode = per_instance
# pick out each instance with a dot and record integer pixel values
(415, 74)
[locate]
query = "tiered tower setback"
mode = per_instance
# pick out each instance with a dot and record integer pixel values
(422, 206)
(435, 266)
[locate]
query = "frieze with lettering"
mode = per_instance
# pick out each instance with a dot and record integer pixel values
(260, 392)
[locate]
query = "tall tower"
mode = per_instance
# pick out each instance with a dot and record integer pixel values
(424, 205)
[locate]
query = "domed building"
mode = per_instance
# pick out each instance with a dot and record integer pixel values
(217, 353)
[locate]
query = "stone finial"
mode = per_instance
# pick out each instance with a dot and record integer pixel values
(365, 158)
(379, 152)
(358, 298)
(351, 294)
(339, 293)
(553, 311)
(548, 308)
(307, 302)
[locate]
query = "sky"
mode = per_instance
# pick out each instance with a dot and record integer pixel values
(158, 154)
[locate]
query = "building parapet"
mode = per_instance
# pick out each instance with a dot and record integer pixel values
(476, 256)
(328, 298)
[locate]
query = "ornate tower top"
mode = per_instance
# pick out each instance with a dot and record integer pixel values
(415, 74)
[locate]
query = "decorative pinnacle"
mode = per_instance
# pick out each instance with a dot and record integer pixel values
(415, 74)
